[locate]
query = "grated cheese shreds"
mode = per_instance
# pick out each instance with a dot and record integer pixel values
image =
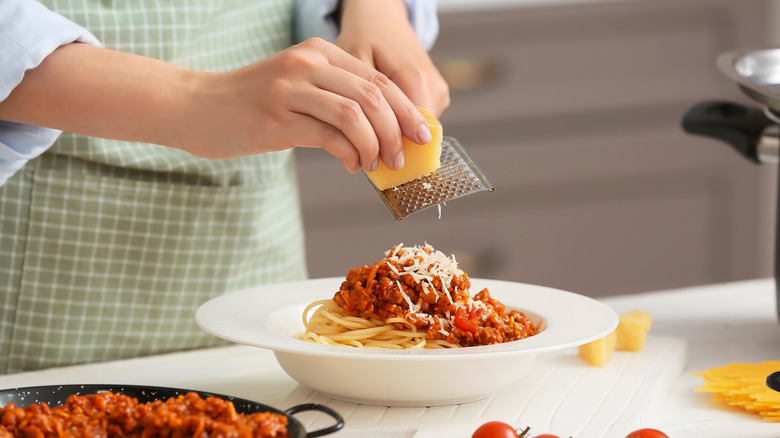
(414, 308)
(424, 266)
(446, 289)
(393, 268)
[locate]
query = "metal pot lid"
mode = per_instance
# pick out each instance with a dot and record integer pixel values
(757, 72)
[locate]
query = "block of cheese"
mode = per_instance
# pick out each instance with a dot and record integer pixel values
(630, 335)
(599, 352)
(632, 330)
(419, 159)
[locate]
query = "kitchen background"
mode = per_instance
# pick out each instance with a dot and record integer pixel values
(572, 109)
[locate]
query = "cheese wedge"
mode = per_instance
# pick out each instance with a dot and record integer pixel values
(630, 335)
(599, 352)
(419, 159)
(632, 330)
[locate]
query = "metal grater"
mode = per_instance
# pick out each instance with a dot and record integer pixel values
(458, 176)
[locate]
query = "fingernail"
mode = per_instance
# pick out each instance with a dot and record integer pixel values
(399, 160)
(374, 165)
(424, 134)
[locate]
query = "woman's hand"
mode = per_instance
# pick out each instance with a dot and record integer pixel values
(313, 95)
(378, 32)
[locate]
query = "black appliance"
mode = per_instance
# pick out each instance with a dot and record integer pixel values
(753, 132)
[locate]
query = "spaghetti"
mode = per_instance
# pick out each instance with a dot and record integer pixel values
(414, 298)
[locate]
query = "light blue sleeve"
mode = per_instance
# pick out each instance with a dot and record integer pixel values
(316, 18)
(29, 32)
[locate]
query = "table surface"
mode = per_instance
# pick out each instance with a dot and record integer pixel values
(717, 324)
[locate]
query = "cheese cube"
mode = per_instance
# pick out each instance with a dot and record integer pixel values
(632, 330)
(419, 160)
(599, 352)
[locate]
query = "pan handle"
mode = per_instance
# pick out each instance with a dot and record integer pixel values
(740, 126)
(322, 408)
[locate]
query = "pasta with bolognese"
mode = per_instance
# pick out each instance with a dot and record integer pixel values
(414, 298)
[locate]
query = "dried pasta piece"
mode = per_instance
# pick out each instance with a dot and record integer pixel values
(743, 385)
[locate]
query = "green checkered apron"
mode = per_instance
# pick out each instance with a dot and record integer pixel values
(107, 248)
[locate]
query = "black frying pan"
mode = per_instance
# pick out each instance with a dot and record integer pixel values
(57, 394)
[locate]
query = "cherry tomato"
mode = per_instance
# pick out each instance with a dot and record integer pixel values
(647, 433)
(495, 429)
(465, 322)
(546, 435)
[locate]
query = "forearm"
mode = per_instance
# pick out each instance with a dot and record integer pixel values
(389, 12)
(318, 18)
(99, 92)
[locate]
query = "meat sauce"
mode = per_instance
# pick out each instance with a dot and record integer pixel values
(429, 291)
(116, 415)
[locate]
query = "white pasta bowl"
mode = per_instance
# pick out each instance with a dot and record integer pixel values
(270, 316)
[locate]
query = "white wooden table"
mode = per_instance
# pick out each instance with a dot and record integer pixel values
(694, 329)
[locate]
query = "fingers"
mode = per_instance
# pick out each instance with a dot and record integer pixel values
(361, 112)
(412, 123)
(425, 87)
(388, 110)
(406, 65)
(314, 133)
(354, 112)
(379, 34)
